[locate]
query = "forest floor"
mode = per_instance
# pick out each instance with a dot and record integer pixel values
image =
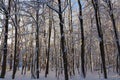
(51, 76)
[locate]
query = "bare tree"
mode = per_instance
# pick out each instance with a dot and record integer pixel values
(6, 12)
(37, 40)
(82, 38)
(111, 14)
(100, 35)
(64, 50)
(48, 49)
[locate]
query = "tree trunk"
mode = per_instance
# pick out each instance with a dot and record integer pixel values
(82, 38)
(100, 35)
(115, 31)
(3, 71)
(15, 64)
(37, 41)
(48, 51)
(71, 30)
(64, 51)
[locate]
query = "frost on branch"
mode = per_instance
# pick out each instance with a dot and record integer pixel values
(106, 1)
(65, 50)
(44, 1)
(99, 39)
(80, 17)
(62, 35)
(111, 12)
(61, 23)
(56, 9)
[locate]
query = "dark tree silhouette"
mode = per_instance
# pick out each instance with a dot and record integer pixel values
(82, 38)
(100, 35)
(64, 51)
(111, 14)
(7, 12)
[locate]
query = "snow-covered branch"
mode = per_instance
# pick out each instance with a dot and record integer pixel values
(56, 10)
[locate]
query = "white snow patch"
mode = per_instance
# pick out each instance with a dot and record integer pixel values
(51, 76)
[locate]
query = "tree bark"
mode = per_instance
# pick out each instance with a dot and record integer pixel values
(48, 50)
(115, 31)
(64, 51)
(3, 71)
(82, 39)
(15, 64)
(37, 41)
(100, 35)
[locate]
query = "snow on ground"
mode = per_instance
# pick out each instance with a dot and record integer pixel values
(51, 76)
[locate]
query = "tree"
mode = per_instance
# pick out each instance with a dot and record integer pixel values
(100, 35)
(62, 40)
(37, 40)
(16, 24)
(72, 38)
(111, 14)
(48, 49)
(6, 12)
(64, 51)
(82, 40)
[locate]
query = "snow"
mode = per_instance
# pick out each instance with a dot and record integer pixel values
(51, 76)
(111, 12)
(44, 1)
(99, 39)
(65, 49)
(62, 35)
(80, 17)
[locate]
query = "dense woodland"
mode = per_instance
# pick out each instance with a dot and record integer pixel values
(68, 37)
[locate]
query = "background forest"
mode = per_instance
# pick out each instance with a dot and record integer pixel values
(68, 38)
